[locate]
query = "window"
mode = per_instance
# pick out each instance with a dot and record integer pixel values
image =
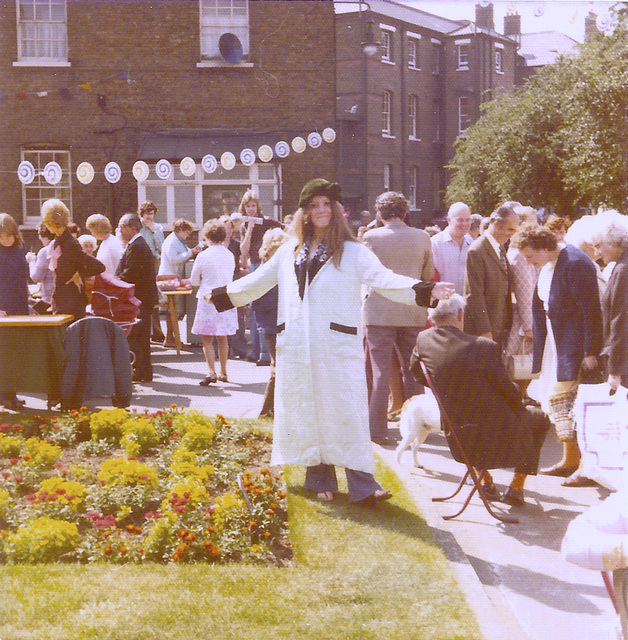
(413, 190)
(413, 124)
(414, 62)
(436, 57)
(436, 122)
(386, 113)
(464, 116)
(387, 46)
(42, 31)
(462, 49)
(224, 31)
(387, 177)
(499, 57)
(38, 191)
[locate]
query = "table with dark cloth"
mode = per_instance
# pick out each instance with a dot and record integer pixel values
(32, 354)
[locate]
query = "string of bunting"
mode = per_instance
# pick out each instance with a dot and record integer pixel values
(52, 172)
(65, 92)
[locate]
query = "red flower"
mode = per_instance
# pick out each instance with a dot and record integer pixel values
(6, 474)
(17, 427)
(13, 460)
(18, 479)
(152, 514)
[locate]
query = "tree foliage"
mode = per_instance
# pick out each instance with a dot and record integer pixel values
(560, 140)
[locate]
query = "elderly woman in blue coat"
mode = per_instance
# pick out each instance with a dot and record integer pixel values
(321, 407)
(567, 328)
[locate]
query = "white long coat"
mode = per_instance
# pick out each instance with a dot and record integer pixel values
(321, 406)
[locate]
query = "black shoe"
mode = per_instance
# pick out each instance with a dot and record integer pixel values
(140, 378)
(491, 493)
(379, 496)
(158, 338)
(513, 497)
(207, 380)
(263, 363)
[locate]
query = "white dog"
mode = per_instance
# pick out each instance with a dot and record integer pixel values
(420, 415)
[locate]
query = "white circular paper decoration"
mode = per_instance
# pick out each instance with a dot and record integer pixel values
(163, 169)
(209, 163)
(265, 153)
(299, 144)
(140, 171)
(52, 173)
(314, 140)
(539, 10)
(187, 166)
(605, 23)
(85, 173)
(227, 160)
(26, 172)
(282, 149)
(112, 172)
(247, 157)
(329, 135)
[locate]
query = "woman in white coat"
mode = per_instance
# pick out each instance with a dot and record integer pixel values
(321, 407)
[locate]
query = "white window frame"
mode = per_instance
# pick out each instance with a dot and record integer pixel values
(413, 117)
(199, 180)
(464, 115)
(39, 190)
(44, 23)
(214, 21)
(387, 100)
(414, 50)
(387, 177)
(413, 186)
(462, 53)
(437, 54)
(387, 48)
(499, 58)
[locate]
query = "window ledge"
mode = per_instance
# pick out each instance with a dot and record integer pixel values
(41, 62)
(414, 138)
(500, 73)
(390, 62)
(414, 68)
(462, 69)
(210, 64)
(389, 136)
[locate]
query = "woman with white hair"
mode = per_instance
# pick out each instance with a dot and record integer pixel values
(611, 244)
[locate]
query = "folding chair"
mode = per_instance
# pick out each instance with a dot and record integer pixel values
(460, 455)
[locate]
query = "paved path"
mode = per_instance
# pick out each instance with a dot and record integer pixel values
(513, 575)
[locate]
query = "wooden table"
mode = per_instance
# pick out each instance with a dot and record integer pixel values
(174, 314)
(32, 354)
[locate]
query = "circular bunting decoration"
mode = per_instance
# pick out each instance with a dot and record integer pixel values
(112, 172)
(299, 144)
(605, 23)
(247, 157)
(539, 10)
(140, 171)
(314, 140)
(163, 169)
(282, 149)
(265, 153)
(52, 173)
(329, 135)
(187, 166)
(227, 160)
(26, 172)
(209, 163)
(85, 173)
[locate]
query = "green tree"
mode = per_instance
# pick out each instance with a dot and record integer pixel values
(560, 140)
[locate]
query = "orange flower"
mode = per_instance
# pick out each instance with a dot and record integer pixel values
(107, 549)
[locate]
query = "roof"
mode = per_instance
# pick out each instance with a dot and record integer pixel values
(472, 29)
(407, 14)
(539, 49)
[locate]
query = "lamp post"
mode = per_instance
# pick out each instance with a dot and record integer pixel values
(370, 48)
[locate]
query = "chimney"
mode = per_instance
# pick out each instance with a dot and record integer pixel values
(590, 26)
(512, 25)
(484, 16)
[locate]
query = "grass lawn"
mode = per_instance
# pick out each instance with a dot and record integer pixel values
(357, 574)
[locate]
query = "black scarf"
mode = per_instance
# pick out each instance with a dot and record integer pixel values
(306, 268)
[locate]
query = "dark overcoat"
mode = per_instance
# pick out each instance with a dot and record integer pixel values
(615, 318)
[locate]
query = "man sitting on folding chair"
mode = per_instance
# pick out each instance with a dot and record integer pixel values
(494, 426)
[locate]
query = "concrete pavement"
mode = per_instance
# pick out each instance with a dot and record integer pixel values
(513, 575)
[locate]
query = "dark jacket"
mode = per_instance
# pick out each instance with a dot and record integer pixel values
(138, 267)
(13, 281)
(574, 312)
(478, 396)
(67, 297)
(97, 365)
(615, 317)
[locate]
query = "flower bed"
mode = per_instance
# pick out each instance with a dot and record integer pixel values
(118, 486)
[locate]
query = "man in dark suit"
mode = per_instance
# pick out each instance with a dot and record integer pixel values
(487, 289)
(137, 266)
(392, 326)
(499, 431)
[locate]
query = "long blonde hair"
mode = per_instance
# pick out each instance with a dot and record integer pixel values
(337, 234)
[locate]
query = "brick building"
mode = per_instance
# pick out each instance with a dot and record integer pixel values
(400, 112)
(101, 81)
